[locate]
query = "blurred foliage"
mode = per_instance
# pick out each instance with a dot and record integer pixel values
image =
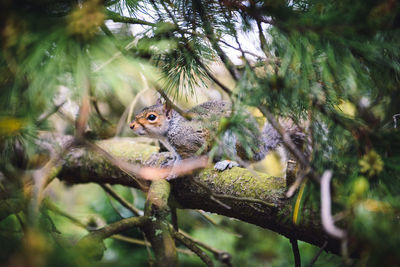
(249, 244)
(336, 62)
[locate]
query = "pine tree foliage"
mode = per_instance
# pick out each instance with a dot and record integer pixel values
(332, 64)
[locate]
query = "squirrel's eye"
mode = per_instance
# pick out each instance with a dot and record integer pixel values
(151, 117)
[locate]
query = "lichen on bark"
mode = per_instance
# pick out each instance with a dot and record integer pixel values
(82, 165)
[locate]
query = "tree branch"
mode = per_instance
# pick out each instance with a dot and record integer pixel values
(92, 243)
(122, 201)
(214, 42)
(221, 256)
(157, 229)
(118, 18)
(117, 227)
(296, 252)
(193, 247)
(83, 166)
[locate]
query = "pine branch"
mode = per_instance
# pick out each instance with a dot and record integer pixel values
(118, 18)
(214, 42)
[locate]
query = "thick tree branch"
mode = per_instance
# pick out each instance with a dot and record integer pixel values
(83, 166)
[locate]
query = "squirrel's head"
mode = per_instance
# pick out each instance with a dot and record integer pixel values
(152, 121)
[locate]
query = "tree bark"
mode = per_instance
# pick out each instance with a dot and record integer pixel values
(235, 188)
(157, 229)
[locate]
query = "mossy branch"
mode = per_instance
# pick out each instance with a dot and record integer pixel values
(83, 166)
(157, 229)
(92, 243)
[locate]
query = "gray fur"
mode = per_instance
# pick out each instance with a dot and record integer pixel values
(188, 138)
(270, 141)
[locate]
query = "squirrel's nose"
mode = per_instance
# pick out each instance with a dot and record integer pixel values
(132, 125)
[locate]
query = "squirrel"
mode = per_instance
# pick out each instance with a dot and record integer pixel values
(188, 138)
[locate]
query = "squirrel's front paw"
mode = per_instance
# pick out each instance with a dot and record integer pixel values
(225, 164)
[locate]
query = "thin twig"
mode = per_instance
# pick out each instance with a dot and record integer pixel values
(122, 122)
(214, 42)
(196, 58)
(20, 221)
(395, 120)
(296, 252)
(184, 167)
(51, 206)
(116, 227)
(146, 243)
(345, 122)
(254, 13)
(150, 257)
(133, 170)
(326, 215)
(233, 29)
(263, 41)
(135, 211)
(121, 200)
(299, 179)
(285, 137)
(289, 143)
(241, 50)
(46, 115)
(118, 18)
(174, 218)
(197, 34)
(45, 175)
(311, 264)
(220, 255)
(193, 247)
(186, 115)
(169, 13)
(210, 220)
(97, 109)
(211, 76)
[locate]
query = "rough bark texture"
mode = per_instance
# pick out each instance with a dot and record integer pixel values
(157, 230)
(83, 166)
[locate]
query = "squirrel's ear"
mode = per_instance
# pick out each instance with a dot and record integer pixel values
(168, 111)
(158, 102)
